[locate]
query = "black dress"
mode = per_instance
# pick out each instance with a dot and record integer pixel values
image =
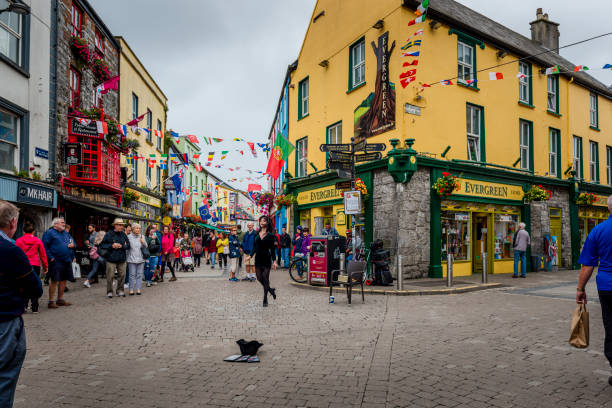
(264, 250)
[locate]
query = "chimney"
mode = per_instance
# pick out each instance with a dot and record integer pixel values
(544, 31)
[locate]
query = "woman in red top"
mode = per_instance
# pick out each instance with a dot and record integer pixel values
(35, 251)
(212, 249)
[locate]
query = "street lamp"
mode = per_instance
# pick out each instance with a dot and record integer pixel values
(17, 8)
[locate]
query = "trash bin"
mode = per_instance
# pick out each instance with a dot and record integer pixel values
(536, 262)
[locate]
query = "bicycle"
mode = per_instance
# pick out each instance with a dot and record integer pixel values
(298, 269)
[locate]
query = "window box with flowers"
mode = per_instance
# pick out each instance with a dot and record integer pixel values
(445, 185)
(285, 200)
(80, 50)
(586, 199)
(537, 193)
(100, 69)
(129, 196)
(361, 187)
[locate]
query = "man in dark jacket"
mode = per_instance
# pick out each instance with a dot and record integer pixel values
(59, 246)
(114, 247)
(247, 245)
(285, 241)
(17, 283)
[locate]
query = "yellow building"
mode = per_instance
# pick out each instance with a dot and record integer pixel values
(355, 78)
(140, 94)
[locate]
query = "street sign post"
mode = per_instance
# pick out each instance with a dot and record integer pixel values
(359, 146)
(345, 174)
(340, 165)
(375, 147)
(347, 157)
(344, 185)
(335, 148)
(367, 157)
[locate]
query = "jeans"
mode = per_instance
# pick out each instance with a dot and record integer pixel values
(136, 275)
(285, 257)
(12, 354)
(213, 255)
(523, 257)
(605, 299)
(97, 263)
(299, 264)
(150, 265)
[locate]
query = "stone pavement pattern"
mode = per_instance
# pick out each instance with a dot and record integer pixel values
(496, 348)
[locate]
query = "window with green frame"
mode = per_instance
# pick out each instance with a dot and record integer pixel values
(526, 144)
(475, 133)
(609, 165)
(554, 155)
(577, 156)
(594, 111)
(301, 157)
(466, 58)
(303, 101)
(333, 134)
(356, 64)
(594, 161)
(525, 84)
(553, 94)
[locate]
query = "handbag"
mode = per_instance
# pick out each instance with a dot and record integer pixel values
(226, 250)
(145, 251)
(93, 253)
(579, 331)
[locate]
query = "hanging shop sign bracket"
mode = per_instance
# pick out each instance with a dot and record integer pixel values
(73, 154)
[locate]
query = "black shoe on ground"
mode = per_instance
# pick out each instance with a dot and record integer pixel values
(523, 276)
(273, 292)
(514, 276)
(66, 289)
(265, 303)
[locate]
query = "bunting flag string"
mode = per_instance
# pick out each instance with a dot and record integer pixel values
(409, 76)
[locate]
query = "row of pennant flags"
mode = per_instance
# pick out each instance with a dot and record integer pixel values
(412, 50)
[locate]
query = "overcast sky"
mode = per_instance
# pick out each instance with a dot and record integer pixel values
(221, 63)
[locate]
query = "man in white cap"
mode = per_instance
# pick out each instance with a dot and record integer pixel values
(114, 247)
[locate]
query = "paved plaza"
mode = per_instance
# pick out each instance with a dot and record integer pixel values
(503, 347)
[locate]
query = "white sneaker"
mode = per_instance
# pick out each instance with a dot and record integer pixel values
(86, 284)
(121, 294)
(109, 295)
(125, 286)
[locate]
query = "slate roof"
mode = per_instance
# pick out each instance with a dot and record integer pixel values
(477, 25)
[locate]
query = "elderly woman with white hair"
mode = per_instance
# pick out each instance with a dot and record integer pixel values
(521, 243)
(135, 258)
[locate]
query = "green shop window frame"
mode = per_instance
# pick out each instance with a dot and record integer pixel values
(530, 163)
(473, 42)
(594, 161)
(301, 113)
(327, 139)
(351, 83)
(558, 139)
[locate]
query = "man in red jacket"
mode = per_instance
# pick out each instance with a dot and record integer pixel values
(35, 251)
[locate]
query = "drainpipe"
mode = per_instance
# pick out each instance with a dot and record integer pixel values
(53, 93)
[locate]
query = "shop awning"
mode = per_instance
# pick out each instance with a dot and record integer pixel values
(211, 227)
(113, 211)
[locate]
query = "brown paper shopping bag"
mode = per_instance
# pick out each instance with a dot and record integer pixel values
(579, 332)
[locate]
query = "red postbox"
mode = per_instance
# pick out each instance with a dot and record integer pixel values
(325, 257)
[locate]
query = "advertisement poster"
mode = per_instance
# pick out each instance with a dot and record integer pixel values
(376, 114)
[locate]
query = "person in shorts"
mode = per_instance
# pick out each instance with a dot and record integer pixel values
(58, 246)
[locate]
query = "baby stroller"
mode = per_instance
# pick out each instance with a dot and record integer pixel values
(187, 261)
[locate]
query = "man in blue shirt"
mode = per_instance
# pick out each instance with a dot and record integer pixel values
(17, 283)
(597, 250)
(329, 230)
(58, 245)
(247, 246)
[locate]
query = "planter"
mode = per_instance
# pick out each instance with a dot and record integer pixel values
(80, 51)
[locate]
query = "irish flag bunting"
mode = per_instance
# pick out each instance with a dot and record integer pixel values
(217, 140)
(224, 154)
(580, 68)
(552, 70)
(417, 20)
(494, 76)
(422, 9)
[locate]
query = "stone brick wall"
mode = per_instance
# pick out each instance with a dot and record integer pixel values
(540, 224)
(402, 216)
(65, 61)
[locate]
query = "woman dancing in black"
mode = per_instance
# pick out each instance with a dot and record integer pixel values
(264, 251)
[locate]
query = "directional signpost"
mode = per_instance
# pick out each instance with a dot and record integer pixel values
(335, 148)
(367, 157)
(375, 147)
(342, 157)
(348, 157)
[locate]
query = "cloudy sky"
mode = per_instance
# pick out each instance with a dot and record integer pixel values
(221, 63)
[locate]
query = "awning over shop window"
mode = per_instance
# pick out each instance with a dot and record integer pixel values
(211, 227)
(113, 211)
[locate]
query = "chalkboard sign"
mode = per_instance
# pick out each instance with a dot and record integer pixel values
(73, 154)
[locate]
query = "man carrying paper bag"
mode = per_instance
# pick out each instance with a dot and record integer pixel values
(597, 250)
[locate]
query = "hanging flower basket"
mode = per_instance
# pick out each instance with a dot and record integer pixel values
(445, 185)
(537, 193)
(80, 50)
(100, 70)
(285, 200)
(129, 196)
(586, 199)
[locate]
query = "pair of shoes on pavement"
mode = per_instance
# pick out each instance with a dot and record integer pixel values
(172, 279)
(234, 279)
(246, 279)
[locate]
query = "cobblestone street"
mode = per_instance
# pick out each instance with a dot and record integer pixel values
(497, 348)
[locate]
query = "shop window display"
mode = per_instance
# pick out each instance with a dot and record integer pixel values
(456, 235)
(505, 228)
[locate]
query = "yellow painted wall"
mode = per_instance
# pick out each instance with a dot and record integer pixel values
(136, 79)
(443, 108)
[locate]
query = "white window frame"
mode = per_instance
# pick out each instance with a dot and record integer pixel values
(593, 162)
(334, 133)
(524, 127)
(159, 138)
(158, 174)
(462, 65)
(135, 103)
(302, 157)
(474, 131)
(577, 153)
(553, 152)
(135, 170)
(524, 83)
(148, 174)
(15, 144)
(150, 126)
(593, 114)
(305, 93)
(551, 101)
(358, 68)
(17, 34)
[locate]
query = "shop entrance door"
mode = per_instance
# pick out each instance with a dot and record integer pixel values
(555, 230)
(481, 233)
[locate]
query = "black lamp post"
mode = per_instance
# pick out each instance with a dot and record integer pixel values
(17, 8)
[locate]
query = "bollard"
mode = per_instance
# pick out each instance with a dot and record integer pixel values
(308, 267)
(484, 267)
(342, 264)
(400, 274)
(449, 270)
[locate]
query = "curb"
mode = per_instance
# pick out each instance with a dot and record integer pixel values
(410, 292)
